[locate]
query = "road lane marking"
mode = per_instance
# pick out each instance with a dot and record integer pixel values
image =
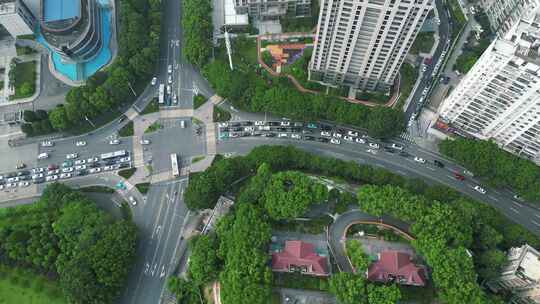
(517, 204)
(493, 198)
(430, 168)
(535, 222)
(537, 215)
(514, 209)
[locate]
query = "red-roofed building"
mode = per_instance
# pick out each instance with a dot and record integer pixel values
(298, 256)
(394, 266)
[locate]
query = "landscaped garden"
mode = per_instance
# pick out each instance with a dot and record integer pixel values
(22, 76)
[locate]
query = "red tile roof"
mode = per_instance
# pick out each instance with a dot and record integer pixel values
(298, 254)
(394, 265)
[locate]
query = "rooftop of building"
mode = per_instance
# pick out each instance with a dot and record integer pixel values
(396, 266)
(299, 253)
(56, 10)
(7, 7)
(61, 31)
(529, 263)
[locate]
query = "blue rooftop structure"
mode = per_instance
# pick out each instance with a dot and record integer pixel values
(55, 10)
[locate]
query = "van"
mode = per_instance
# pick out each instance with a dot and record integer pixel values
(43, 156)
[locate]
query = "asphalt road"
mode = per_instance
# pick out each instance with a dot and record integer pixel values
(417, 103)
(521, 214)
(161, 220)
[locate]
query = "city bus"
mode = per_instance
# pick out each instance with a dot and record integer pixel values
(161, 93)
(174, 165)
(120, 153)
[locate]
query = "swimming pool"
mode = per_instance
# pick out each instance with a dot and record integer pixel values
(81, 71)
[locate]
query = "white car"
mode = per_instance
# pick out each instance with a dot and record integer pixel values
(11, 185)
(114, 142)
(53, 172)
(249, 129)
(295, 136)
(81, 167)
(480, 189)
(47, 144)
(353, 133)
(374, 145)
(419, 160)
(38, 170)
(168, 89)
(325, 133)
(154, 81)
(371, 151)
(108, 168)
(72, 156)
(360, 140)
(348, 138)
(80, 143)
(51, 178)
(1, 187)
(95, 170)
(24, 184)
(335, 141)
(43, 156)
(169, 68)
(92, 160)
(259, 123)
(65, 175)
(145, 141)
(132, 200)
(68, 169)
(125, 159)
(169, 80)
(282, 135)
(285, 123)
(36, 176)
(174, 98)
(337, 135)
(80, 162)
(223, 124)
(469, 173)
(12, 179)
(397, 147)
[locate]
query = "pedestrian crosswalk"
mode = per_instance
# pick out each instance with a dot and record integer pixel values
(407, 137)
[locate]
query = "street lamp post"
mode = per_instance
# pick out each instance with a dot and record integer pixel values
(89, 121)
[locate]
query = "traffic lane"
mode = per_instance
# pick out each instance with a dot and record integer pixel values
(526, 216)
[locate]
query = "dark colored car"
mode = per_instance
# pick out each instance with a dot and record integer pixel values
(247, 123)
(273, 123)
(438, 163)
(322, 139)
(52, 167)
(326, 127)
(389, 149)
(307, 137)
(234, 124)
(404, 154)
(298, 124)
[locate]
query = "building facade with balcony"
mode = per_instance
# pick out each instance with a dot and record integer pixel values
(272, 9)
(499, 98)
(362, 44)
(503, 15)
(521, 276)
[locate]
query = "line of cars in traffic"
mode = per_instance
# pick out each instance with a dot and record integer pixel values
(322, 133)
(72, 166)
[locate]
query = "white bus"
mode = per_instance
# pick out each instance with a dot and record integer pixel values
(120, 153)
(161, 93)
(174, 165)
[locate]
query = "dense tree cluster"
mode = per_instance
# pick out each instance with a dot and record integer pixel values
(137, 55)
(354, 289)
(444, 232)
(36, 123)
(499, 167)
(253, 92)
(289, 194)
(358, 257)
(197, 29)
(204, 263)
(64, 234)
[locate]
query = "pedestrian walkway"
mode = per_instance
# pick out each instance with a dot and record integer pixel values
(407, 137)
(175, 113)
(216, 99)
(202, 164)
(211, 139)
(131, 113)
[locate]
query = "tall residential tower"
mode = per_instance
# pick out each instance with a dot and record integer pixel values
(503, 15)
(362, 43)
(499, 98)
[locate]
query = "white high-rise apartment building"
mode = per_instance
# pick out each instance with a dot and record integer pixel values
(16, 18)
(503, 15)
(362, 43)
(272, 9)
(499, 98)
(521, 276)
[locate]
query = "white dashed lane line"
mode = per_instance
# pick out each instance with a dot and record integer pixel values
(536, 223)
(514, 209)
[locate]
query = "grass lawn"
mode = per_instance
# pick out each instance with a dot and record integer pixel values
(457, 15)
(221, 115)
(313, 226)
(152, 107)
(373, 97)
(143, 187)
(127, 130)
(198, 100)
(298, 281)
(153, 127)
(299, 69)
(423, 43)
(23, 77)
(419, 295)
(409, 74)
(127, 173)
(19, 286)
(100, 189)
(24, 50)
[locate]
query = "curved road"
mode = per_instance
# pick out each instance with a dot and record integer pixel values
(519, 213)
(336, 233)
